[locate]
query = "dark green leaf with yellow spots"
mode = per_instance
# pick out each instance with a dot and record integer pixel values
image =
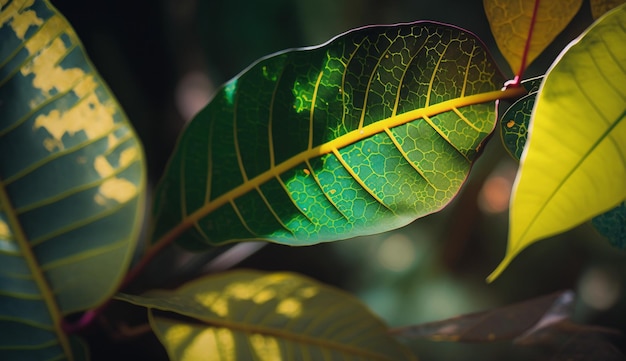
(514, 122)
(71, 184)
(360, 135)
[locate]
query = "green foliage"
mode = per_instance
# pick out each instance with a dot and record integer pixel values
(358, 136)
(277, 316)
(514, 126)
(579, 121)
(72, 170)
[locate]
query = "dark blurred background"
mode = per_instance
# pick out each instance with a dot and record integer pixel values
(164, 59)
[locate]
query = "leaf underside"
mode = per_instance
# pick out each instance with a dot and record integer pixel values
(360, 135)
(71, 183)
(249, 315)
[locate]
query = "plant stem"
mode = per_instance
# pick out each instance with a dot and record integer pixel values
(518, 77)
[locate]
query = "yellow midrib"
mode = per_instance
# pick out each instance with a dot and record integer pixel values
(335, 144)
(35, 270)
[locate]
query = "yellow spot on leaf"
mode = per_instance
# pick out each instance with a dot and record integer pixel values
(289, 307)
(333, 191)
(266, 348)
(20, 20)
(177, 334)
(128, 156)
(94, 121)
(103, 167)
(88, 114)
(241, 291)
(510, 124)
(118, 189)
(4, 230)
(264, 296)
(306, 171)
(190, 343)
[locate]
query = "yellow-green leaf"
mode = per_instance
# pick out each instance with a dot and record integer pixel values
(511, 22)
(574, 165)
(71, 183)
(248, 315)
(600, 7)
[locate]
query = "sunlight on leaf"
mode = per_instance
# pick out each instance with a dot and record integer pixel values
(514, 126)
(575, 163)
(360, 135)
(249, 315)
(72, 182)
(511, 20)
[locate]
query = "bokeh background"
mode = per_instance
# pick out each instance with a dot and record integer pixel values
(164, 59)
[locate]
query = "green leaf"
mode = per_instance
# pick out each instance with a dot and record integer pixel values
(249, 315)
(514, 122)
(574, 166)
(360, 135)
(612, 225)
(71, 183)
(524, 28)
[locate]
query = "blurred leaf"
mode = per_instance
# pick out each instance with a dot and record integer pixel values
(513, 23)
(514, 122)
(600, 7)
(71, 184)
(577, 143)
(248, 315)
(566, 341)
(612, 225)
(361, 135)
(505, 323)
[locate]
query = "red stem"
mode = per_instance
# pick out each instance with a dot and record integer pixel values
(518, 77)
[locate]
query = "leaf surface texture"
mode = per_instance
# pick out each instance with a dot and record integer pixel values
(71, 183)
(249, 315)
(360, 135)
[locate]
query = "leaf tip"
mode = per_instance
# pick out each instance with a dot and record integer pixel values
(501, 267)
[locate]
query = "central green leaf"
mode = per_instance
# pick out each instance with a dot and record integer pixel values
(360, 135)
